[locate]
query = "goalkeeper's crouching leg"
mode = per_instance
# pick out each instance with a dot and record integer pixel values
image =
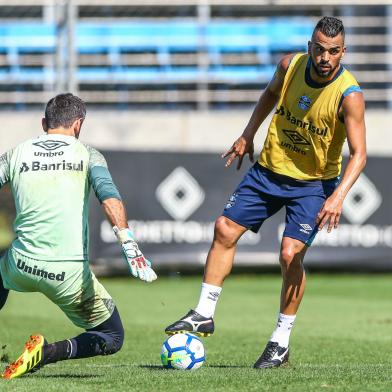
(105, 339)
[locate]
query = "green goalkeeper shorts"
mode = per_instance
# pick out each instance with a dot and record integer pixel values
(70, 284)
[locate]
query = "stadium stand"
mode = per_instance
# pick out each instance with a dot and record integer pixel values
(159, 58)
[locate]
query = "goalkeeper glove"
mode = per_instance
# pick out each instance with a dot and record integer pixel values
(139, 266)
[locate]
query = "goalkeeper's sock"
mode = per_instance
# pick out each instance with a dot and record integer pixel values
(208, 299)
(282, 332)
(58, 351)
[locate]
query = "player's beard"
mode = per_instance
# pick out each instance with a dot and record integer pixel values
(323, 73)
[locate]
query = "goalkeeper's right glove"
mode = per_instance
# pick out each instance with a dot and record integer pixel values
(139, 266)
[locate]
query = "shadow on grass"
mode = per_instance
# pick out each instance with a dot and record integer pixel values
(228, 366)
(76, 376)
(153, 367)
(157, 367)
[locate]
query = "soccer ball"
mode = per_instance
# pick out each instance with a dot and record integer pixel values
(182, 351)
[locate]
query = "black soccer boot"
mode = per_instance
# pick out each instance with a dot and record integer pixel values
(192, 322)
(272, 356)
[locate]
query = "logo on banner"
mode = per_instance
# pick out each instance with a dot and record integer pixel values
(180, 194)
(362, 201)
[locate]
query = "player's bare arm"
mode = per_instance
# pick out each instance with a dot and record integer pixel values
(115, 212)
(267, 101)
(353, 109)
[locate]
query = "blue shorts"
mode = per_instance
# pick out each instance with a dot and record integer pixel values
(262, 193)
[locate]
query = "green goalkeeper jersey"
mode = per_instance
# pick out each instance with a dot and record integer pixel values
(50, 178)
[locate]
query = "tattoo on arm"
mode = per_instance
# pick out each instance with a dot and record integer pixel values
(4, 169)
(115, 212)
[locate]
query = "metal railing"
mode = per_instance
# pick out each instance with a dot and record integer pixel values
(193, 68)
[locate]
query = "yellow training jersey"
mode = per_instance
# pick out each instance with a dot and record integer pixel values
(305, 137)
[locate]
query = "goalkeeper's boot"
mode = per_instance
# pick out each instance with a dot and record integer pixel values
(272, 356)
(192, 322)
(30, 360)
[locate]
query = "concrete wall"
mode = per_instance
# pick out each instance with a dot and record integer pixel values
(172, 131)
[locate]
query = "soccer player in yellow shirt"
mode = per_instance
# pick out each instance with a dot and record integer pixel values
(318, 104)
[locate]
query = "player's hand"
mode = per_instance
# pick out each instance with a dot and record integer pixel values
(331, 211)
(239, 149)
(140, 267)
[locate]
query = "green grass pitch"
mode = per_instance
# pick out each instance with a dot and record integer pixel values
(342, 339)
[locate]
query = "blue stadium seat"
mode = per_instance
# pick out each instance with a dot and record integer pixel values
(233, 74)
(163, 38)
(137, 36)
(27, 38)
(137, 75)
(289, 36)
(27, 75)
(236, 36)
(242, 74)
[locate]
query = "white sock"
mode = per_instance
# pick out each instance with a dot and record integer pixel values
(208, 299)
(281, 335)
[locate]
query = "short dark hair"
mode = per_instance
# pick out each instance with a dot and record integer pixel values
(63, 110)
(330, 26)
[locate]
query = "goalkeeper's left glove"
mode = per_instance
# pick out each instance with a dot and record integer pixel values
(139, 266)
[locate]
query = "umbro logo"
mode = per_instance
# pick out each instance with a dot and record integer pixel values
(305, 228)
(213, 296)
(50, 145)
(296, 137)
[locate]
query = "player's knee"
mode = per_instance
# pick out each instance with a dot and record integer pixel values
(114, 331)
(290, 256)
(223, 233)
(118, 338)
(116, 342)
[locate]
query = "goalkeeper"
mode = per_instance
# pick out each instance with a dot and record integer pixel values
(50, 177)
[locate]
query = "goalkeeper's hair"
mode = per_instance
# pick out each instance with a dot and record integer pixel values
(330, 27)
(63, 110)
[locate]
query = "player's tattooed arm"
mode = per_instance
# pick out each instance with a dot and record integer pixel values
(267, 101)
(5, 168)
(353, 109)
(114, 209)
(139, 266)
(115, 212)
